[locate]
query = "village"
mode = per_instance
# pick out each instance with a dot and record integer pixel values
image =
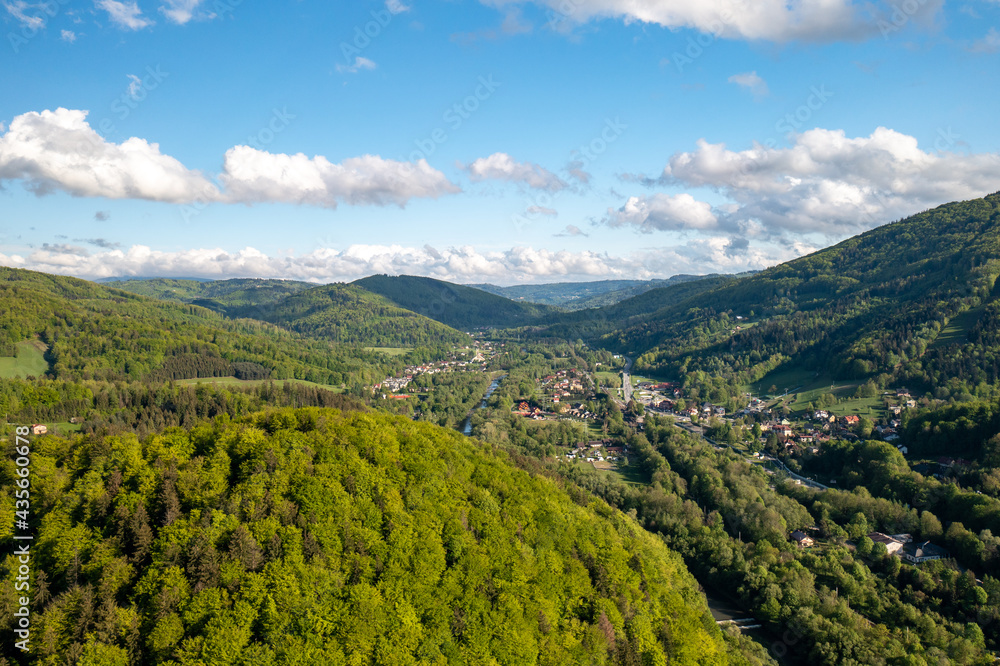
(472, 358)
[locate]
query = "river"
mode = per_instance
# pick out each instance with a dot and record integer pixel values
(467, 425)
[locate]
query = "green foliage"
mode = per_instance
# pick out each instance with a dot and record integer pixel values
(93, 332)
(876, 303)
(344, 538)
(454, 305)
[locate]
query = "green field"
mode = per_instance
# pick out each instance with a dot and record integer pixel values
(628, 474)
(233, 381)
(29, 361)
(958, 328)
(613, 379)
(390, 351)
(805, 387)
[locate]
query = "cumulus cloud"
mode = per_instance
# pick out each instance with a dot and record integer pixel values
(825, 182)
(102, 215)
(752, 82)
(182, 11)
(541, 210)
(252, 175)
(358, 65)
(58, 150)
(68, 36)
(327, 264)
(769, 20)
(458, 264)
(125, 15)
(503, 167)
(662, 212)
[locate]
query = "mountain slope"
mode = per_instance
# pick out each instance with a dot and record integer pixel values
(346, 313)
(95, 332)
(336, 312)
(914, 301)
(347, 538)
(224, 296)
(455, 305)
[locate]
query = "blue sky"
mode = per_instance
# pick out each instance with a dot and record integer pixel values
(498, 141)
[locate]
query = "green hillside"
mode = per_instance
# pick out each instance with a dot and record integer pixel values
(95, 332)
(337, 538)
(225, 296)
(346, 313)
(452, 304)
(872, 306)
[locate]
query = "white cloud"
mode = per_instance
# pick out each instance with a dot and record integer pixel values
(988, 44)
(769, 20)
(124, 14)
(252, 175)
(541, 210)
(58, 150)
(751, 82)
(182, 11)
(134, 84)
(662, 212)
(28, 14)
(501, 166)
(358, 65)
(396, 7)
(68, 36)
(325, 265)
(830, 184)
(458, 264)
(570, 231)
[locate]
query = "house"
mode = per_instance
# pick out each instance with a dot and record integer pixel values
(852, 420)
(902, 393)
(924, 551)
(38, 429)
(893, 545)
(802, 539)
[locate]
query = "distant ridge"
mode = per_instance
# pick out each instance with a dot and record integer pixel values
(455, 305)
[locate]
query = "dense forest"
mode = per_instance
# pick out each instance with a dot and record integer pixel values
(339, 538)
(93, 332)
(337, 312)
(914, 301)
(454, 305)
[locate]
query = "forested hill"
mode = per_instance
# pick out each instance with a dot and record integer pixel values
(347, 313)
(339, 538)
(914, 301)
(229, 297)
(453, 304)
(95, 332)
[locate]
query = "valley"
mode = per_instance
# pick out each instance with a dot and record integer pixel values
(817, 458)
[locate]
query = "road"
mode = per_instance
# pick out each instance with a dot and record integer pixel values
(627, 380)
(699, 431)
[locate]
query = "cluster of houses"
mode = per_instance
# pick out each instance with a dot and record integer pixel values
(527, 410)
(597, 451)
(563, 384)
(900, 545)
(397, 384)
